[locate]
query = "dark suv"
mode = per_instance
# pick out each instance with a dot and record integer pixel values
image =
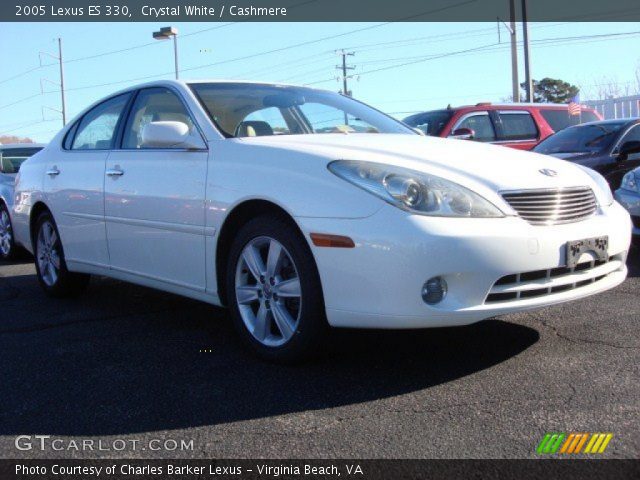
(516, 125)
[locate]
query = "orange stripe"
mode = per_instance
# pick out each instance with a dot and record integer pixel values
(579, 446)
(576, 439)
(567, 442)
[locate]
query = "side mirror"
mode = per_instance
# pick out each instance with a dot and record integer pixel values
(170, 135)
(463, 134)
(418, 131)
(628, 148)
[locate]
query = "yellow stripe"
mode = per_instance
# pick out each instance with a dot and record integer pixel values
(607, 439)
(567, 442)
(583, 439)
(594, 437)
(596, 445)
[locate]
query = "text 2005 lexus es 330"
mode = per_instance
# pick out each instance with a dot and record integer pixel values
(301, 209)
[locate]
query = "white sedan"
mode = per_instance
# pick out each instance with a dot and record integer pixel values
(301, 209)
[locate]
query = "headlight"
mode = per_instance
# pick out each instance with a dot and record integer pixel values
(603, 194)
(631, 181)
(414, 191)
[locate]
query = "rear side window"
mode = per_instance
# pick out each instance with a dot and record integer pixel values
(559, 119)
(517, 126)
(97, 129)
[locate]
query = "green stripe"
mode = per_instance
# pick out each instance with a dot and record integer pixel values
(556, 445)
(543, 443)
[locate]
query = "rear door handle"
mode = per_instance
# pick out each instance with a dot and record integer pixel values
(115, 172)
(53, 172)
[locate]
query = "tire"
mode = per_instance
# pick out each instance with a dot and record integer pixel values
(7, 242)
(277, 306)
(51, 267)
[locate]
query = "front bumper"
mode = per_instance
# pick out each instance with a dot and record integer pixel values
(630, 201)
(378, 283)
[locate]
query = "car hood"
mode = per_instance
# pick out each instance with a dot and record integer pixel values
(475, 165)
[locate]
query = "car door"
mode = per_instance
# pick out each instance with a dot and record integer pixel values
(74, 182)
(624, 163)
(155, 197)
(516, 129)
(481, 124)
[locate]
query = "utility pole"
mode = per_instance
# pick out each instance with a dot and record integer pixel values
(527, 53)
(344, 67)
(515, 85)
(63, 106)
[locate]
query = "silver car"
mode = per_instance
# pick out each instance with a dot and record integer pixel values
(629, 196)
(11, 157)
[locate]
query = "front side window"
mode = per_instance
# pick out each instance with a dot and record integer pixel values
(243, 110)
(517, 126)
(97, 129)
(481, 125)
(153, 105)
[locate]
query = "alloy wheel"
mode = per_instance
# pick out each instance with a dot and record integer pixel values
(48, 254)
(6, 235)
(268, 292)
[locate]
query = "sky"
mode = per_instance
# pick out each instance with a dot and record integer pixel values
(400, 68)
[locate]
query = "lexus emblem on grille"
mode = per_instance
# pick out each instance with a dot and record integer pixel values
(548, 172)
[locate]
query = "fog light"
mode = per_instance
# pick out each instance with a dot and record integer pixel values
(434, 290)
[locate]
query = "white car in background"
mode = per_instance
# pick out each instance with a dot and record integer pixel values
(11, 157)
(301, 209)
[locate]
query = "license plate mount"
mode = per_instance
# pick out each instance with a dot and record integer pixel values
(597, 245)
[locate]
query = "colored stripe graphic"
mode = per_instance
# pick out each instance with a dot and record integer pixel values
(572, 443)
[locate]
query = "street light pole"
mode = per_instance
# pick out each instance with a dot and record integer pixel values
(164, 34)
(515, 85)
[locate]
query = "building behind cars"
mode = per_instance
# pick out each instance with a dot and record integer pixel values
(516, 125)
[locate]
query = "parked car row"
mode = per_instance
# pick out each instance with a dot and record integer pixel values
(11, 157)
(519, 125)
(301, 209)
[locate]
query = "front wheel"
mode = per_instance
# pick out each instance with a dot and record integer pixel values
(51, 267)
(274, 290)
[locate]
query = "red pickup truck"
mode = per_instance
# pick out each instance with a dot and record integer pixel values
(516, 125)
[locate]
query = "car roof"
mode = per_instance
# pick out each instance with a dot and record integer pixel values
(4, 146)
(622, 121)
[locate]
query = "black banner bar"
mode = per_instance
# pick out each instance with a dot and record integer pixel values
(314, 10)
(121, 469)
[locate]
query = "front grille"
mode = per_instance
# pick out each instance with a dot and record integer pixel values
(538, 283)
(553, 206)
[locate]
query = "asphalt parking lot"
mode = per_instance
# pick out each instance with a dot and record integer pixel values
(125, 362)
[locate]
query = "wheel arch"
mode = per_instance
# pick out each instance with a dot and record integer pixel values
(237, 217)
(36, 210)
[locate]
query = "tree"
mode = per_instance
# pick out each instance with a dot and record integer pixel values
(552, 90)
(5, 139)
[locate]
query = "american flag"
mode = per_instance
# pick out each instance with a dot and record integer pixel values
(574, 105)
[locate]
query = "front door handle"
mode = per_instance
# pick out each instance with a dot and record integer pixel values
(53, 172)
(115, 172)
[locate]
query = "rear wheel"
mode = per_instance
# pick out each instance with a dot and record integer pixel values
(274, 289)
(51, 267)
(7, 244)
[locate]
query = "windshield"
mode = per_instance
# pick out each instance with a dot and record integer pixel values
(250, 110)
(12, 158)
(590, 138)
(431, 123)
